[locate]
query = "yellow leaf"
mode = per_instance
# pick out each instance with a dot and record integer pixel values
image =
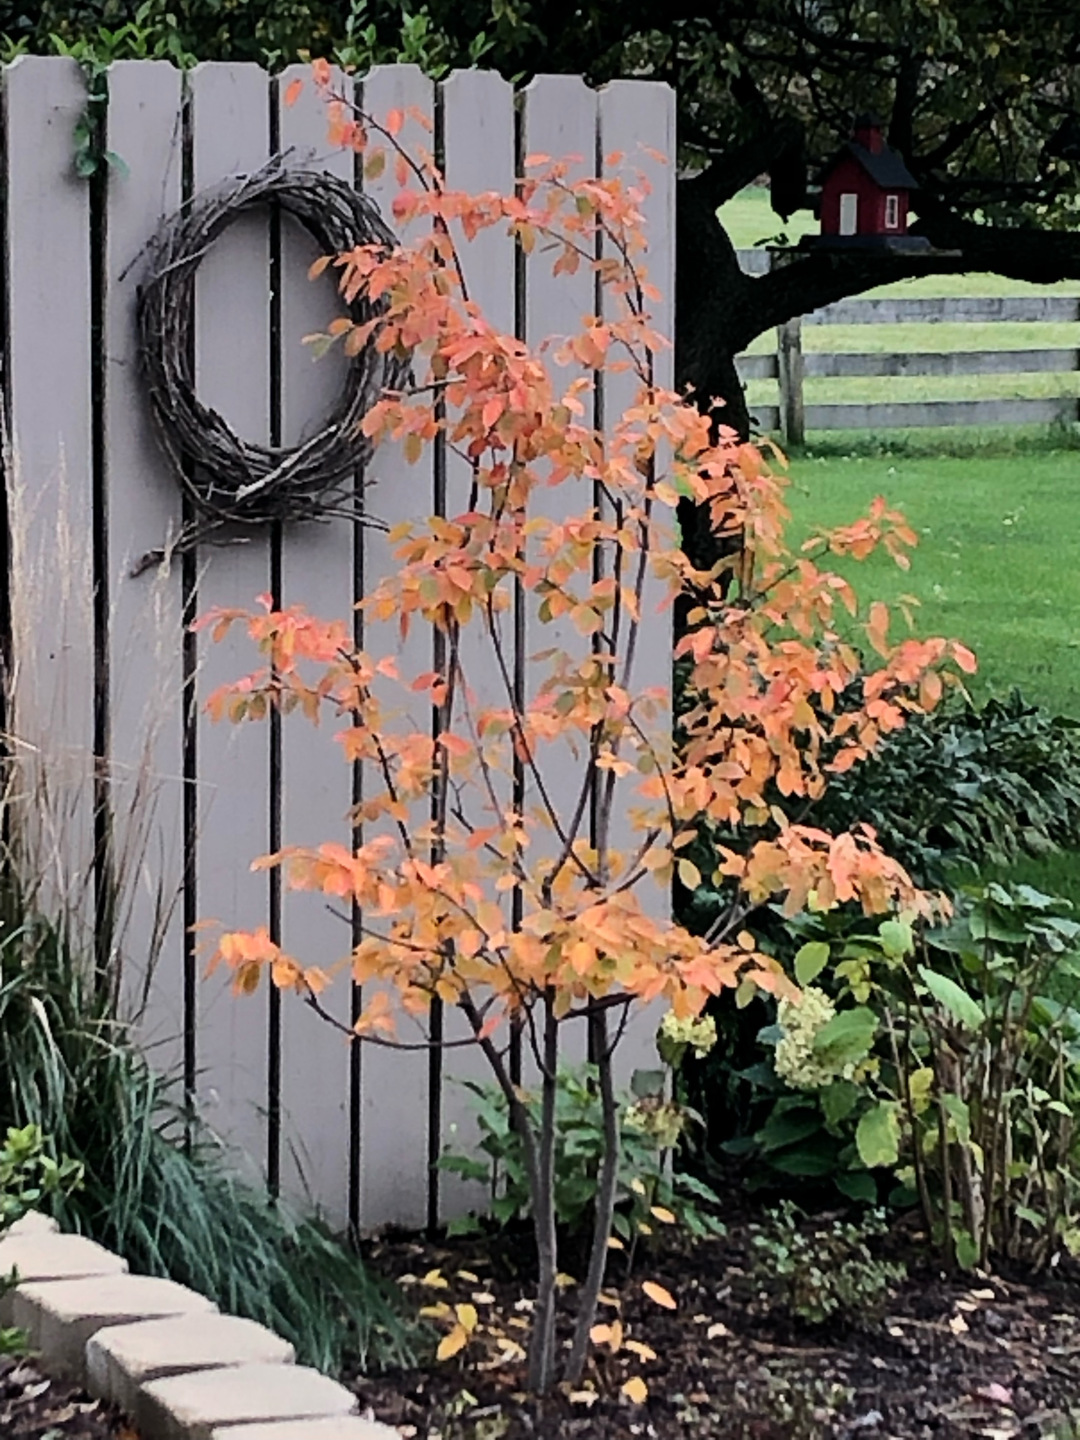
(600, 1334)
(614, 1243)
(468, 1275)
(640, 1349)
(583, 1397)
(689, 874)
(635, 1390)
(658, 1295)
(441, 1311)
(435, 1280)
(467, 1317)
(638, 1186)
(662, 1214)
(450, 1344)
(564, 1281)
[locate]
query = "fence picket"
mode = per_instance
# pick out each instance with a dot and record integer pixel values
(230, 115)
(559, 118)
(51, 495)
(316, 568)
(392, 1161)
(478, 141)
(145, 660)
(638, 121)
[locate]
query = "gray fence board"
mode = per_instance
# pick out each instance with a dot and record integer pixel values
(52, 505)
(958, 310)
(559, 118)
(629, 114)
(395, 1086)
(478, 136)
(958, 362)
(316, 572)
(145, 661)
(231, 113)
(914, 415)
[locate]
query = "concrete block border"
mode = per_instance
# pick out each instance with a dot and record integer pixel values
(161, 1353)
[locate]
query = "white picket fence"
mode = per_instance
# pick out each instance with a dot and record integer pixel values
(111, 684)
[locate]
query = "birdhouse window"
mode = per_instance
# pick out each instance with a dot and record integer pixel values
(849, 214)
(892, 212)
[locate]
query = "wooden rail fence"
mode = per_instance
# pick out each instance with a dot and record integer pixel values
(790, 365)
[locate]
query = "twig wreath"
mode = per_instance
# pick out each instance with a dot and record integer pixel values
(231, 482)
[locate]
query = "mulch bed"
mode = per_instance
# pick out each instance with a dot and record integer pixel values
(33, 1407)
(951, 1357)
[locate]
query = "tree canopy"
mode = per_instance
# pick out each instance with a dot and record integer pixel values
(981, 97)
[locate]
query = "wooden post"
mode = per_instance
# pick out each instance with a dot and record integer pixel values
(789, 359)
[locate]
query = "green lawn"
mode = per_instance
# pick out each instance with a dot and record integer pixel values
(997, 566)
(998, 563)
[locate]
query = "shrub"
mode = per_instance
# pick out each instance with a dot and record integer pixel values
(949, 1067)
(649, 1193)
(815, 1271)
(966, 786)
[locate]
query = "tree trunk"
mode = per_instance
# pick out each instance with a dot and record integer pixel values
(604, 1209)
(542, 1341)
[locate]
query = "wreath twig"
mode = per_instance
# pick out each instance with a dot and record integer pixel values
(238, 484)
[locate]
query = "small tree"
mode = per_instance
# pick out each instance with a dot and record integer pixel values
(445, 845)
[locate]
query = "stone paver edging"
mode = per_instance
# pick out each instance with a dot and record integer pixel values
(160, 1352)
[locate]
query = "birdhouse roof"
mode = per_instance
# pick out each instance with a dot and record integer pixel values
(886, 168)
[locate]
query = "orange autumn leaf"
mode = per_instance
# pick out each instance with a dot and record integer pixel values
(658, 1295)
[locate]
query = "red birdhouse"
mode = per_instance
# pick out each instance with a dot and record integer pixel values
(865, 191)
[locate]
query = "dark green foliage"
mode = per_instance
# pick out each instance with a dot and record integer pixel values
(966, 787)
(170, 1207)
(649, 1128)
(824, 1270)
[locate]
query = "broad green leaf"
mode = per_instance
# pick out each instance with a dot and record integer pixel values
(878, 1135)
(956, 1001)
(839, 1100)
(810, 960)
(858, 1185)
(896, 938)
(847, 1037)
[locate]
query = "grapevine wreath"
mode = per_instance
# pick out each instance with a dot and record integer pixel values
(233, 484)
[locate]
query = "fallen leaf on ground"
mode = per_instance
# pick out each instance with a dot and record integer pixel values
(658, 1295)
(635, 1390)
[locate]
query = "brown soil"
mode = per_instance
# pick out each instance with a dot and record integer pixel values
(33, 1407)
(951, 1357)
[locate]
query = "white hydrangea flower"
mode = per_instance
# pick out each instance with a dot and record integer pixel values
(801, 1020)
(699, 1032)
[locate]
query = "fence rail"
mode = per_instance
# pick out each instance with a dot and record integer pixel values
(790, 365)
(112, 683)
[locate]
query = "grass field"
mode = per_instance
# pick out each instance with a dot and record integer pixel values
(997, 514)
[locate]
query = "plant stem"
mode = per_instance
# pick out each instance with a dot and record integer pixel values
(542, 1343)
(606, 1188)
